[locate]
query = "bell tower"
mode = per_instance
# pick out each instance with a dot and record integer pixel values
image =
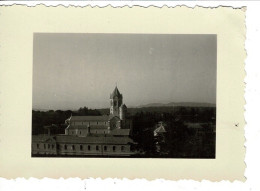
(116, 100)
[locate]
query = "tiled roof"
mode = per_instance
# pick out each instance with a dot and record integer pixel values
(43, 138)
(86, 126)
(98, 127)
(123, 132)
(112, 116)
(93, 139)
(89, 118)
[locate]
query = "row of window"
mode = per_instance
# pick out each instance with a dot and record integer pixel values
(45, 146)
(89, 123)
(97, 147)
(80, 132)
(66, 147)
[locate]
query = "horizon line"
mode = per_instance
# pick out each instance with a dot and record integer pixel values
(139, 106)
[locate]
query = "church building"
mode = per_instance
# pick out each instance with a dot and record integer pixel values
(113, 124)
(106, 135)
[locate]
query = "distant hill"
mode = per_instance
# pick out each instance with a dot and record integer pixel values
(154, 107)
(179, 104)
(164, 108)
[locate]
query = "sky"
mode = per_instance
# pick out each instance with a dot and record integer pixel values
(76, 70)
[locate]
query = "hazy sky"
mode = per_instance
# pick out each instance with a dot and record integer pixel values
(76, 70)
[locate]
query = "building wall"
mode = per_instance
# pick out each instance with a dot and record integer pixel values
(85, 132)
(93, 149)
(115, 103)
(99, 131)
(86, 123)
(115, 123)
(78, 132)
(80, 149)
(44, 148)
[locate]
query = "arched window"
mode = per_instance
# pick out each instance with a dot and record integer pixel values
(37, 146)
(81, 147)
(122, 148)
(65, 147)
(105, 148)
(52, 146)
(97, 147)
(44, 146)
(73, 147)
(114, 148)
(89, 147)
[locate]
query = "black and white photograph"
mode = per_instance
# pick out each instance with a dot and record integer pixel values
(124, 95)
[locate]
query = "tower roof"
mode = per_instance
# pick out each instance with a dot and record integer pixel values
(123, 106)
(115, 93)
(160, 129)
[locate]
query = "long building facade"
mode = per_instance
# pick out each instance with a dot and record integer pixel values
(106, 135)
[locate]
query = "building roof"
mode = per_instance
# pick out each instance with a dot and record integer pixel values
(43, 138)
(93, 139)
(89, 118)
(123, 106)
(160, 129)
(86, 126)
(98, 127)
(112, 116)
(122, 132)
(116, 93)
